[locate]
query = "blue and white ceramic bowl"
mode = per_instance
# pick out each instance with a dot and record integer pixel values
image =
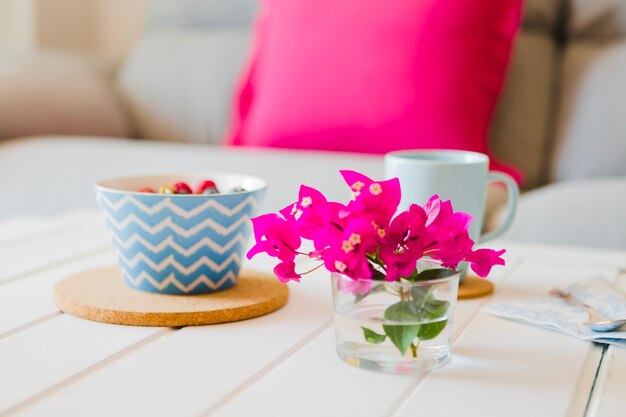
(180, 244)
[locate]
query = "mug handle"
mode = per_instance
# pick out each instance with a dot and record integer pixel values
(513, 195)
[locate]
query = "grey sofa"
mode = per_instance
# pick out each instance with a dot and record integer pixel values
(559, 118)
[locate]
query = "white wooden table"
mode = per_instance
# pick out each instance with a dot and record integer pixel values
(284, 364)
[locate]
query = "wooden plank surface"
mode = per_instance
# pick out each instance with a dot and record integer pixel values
(318, 373)
(315, 382)
(34, 259)
(42, 356)
(16, 230)
(501, 367)
(609, 394)
(29, 253)
(281, 364)
(205, 371)
(29, 299)
(611, 385)
(195, 367)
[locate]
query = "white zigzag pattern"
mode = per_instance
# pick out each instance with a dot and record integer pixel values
(170, 261)
(171, 279)
(169, 243)
(224, 231)
(167, 203)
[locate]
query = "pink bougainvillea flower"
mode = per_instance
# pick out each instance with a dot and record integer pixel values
(432, 208)
(358, 237)
(274, 236)
(408, 227)
(355, 266)
(403, 243)
(439, 211)
(315, 217)
(363, 238)
(451, 255)
(447, 232)
(347, 252)
(307, 213)
(450, 227)
(399, 262)
(334, 220)
(482, 260)
(451, 246)
(377, 200)
(286, 271)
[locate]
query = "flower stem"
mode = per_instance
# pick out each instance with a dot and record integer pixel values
(311, 270)
(405, 294)
(413, 348)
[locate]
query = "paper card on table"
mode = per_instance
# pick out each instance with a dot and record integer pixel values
(555, 314)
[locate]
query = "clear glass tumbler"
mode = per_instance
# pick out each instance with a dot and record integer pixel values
(394, 327)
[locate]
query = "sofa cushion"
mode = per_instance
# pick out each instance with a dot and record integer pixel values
(407, 76)
(596, 19)
(584, 213)
(543, 15)
(46, 93)
(177, 83)
(591, 127)
(521, 130)
(591, 135)
(200, 14)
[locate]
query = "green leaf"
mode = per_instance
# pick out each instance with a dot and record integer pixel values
(431, 330)
(419, 295)
(401, 335)
(372, 337)
(425, 306)
(436, 273)
(400, 312)
(435, 308)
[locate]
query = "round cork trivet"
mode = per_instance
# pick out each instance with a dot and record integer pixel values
(474, 287)
(102, 295)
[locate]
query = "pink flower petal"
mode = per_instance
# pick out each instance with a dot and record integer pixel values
(285, 271)
(482, 260)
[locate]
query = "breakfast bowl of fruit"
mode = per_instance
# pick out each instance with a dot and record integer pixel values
(180, 234)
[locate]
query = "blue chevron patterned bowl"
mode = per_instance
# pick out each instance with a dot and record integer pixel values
(179, 244)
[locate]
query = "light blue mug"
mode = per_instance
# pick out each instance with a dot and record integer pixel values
(459, 176)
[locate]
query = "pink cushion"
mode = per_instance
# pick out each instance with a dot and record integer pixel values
(374, 76)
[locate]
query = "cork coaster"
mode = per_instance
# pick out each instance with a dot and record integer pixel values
(474, 287)
(101, 295)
